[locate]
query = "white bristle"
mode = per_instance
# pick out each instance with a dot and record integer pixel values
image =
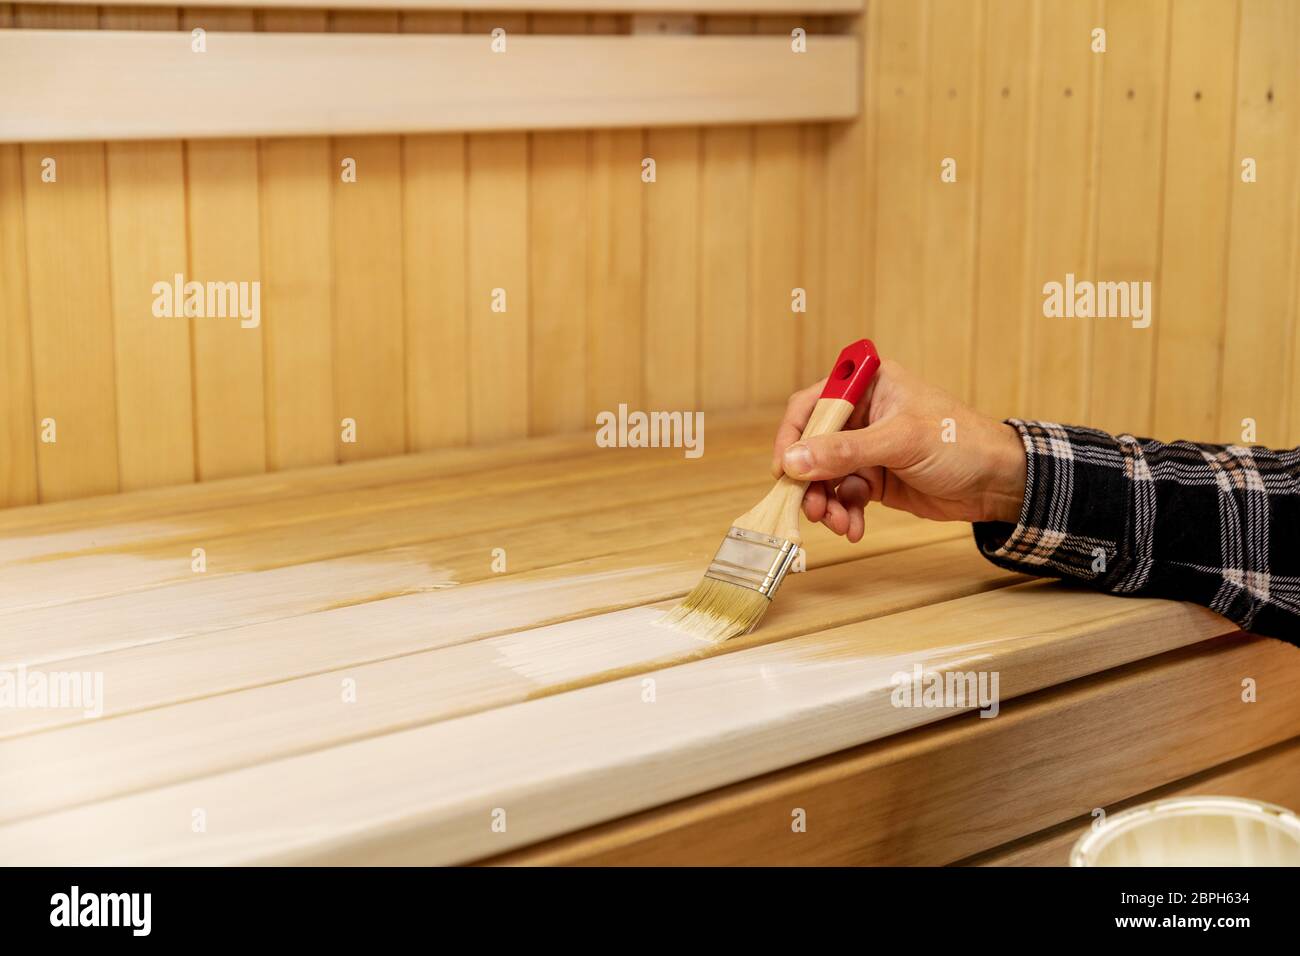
(717, 611)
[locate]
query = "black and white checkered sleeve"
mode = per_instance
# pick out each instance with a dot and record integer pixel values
(1218, 525)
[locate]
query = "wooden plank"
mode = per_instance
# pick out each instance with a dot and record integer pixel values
(930, 797)
(301, 425)
(302, 85)
(558, 283)
(951, 210)
(669, 531)
(1005, 300)
(1061, 224)
(539, 6)
(427, 794)
(1260, 307)
(726, 172)
(1129, 210)
(775, 248)
(851, 217)
(614, 243)
(433, 273)
(815, 344)
(1198, 176)
(67, 526)
(68, 300)
(147, 237)
(902, 168)
(17, 415)
(498, 290)
(454, 681)
(306, 529)
(1271, 775)
(671, 270)
(369, 345)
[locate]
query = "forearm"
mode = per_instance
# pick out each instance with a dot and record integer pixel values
(1215, 525)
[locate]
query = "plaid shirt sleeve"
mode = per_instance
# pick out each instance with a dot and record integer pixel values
(1218, 525)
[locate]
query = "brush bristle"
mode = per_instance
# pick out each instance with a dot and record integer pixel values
(717, 610)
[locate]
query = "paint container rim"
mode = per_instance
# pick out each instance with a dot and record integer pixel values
(1089, 846)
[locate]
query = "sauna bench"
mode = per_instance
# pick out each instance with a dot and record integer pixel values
(454, 657)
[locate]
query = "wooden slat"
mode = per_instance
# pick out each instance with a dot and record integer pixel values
(369, 344)
(947, 289)
(427, 794)
(1271, 775)
(17, 418)
(1129, 210)
(467, 677)
(1260, 308)
(1006, 297)
(900, 171)
(538, 6)
(1062, 207)
(133, 85)
(558, 282)
(727, 155)
(933, 796)
(433, 273)
(1199, 171)
(614, 278)
(147, 236)
(775, 250)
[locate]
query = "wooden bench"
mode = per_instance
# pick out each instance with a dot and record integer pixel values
(453, 657)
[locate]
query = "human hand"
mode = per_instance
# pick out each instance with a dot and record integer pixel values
(892, 450)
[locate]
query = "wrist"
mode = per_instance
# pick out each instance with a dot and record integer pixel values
(1008, 472)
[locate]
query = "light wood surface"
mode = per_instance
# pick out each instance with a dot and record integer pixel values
(534, 6)
(257, 84)
(523, 689)
(926, 798)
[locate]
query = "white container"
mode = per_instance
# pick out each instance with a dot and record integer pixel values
(1194, 831)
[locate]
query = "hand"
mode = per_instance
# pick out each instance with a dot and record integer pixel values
(900, 457)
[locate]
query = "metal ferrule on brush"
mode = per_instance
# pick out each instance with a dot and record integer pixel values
(752, 560)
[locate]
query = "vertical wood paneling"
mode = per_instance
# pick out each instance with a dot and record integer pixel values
(726, 198)
(901, 171)
(1129, 190)
(815, 344)
(1063, 193)
(433, 248)
(498, 259)
(776, 249)
(1004, 298)
(1198, 174)
(1260, 301)
(147, 238)
(614, 195)
(947, 287)
(557, 246)
(224, 245)
(297, 288)
(369, 347)
(851, 159)
(672, 269)
(69, 300)
(17, 419)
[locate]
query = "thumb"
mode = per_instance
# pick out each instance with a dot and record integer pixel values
(843, 453)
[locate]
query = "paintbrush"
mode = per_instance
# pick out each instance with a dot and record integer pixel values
(757, 552)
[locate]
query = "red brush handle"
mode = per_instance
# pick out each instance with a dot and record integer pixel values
(853, 372)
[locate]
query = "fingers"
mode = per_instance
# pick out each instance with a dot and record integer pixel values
(797, 412)
(814, 501)
(834, 456)
(853, 495)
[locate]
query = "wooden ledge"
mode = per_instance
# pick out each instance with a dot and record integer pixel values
(114, 85)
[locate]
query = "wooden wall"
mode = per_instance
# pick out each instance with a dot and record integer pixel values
(1115, 166)
(377, 295)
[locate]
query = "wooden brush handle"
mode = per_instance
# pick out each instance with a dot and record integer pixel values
(778, 513)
